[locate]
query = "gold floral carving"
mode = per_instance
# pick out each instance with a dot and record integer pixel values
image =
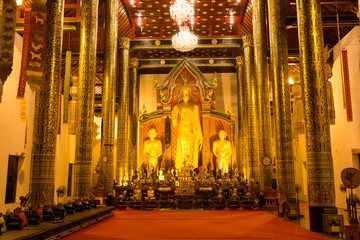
(124, 42)
(240, 60)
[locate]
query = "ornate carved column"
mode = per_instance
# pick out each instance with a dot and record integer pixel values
(85, 106)
(281, 96)
(134, 111)
(262, 92)
(123, 133)
(242, 116)
(250, 102)
(106, 174)
(46, 111)
(312, 71)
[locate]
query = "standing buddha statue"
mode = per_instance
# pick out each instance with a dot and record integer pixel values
(222, 152)
(152, 151)
(185, 115)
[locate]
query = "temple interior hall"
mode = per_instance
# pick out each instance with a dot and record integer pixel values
(133, 119)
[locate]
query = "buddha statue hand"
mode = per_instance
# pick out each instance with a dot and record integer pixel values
(200, 143)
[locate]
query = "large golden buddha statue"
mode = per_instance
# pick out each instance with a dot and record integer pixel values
(189, 138)
(222, 152)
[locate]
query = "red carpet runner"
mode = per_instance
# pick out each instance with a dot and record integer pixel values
(194, 225)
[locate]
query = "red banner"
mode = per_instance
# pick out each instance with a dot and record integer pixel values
(24, 58)
(347, 86)
(37, 41)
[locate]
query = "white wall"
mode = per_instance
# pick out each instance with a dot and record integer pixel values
(345, 135)
(12, 133)
(12, 137)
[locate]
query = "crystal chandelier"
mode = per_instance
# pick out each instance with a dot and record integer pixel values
(184, 40)
(181, 11)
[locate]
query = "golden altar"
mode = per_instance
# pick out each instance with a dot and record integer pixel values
(203, 94)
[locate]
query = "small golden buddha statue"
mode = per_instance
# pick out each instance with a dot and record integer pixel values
(234, 194)
(152, 151)
(151, 194)
(137, 193)
(190, 138)
(222, 152)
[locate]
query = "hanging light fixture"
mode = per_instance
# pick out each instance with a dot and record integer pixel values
(184, 40)
(181, 11)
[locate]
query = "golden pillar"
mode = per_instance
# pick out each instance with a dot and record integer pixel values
(123, 133)
(312, 72)
(262, 93)
(250, 102)
(46, 111)
(281, 96)
(134, 111)
(85, 107)
(242, 116)
(106, 162)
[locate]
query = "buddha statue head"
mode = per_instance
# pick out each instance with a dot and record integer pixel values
(222, 134)
(152, 133)
(185, 92)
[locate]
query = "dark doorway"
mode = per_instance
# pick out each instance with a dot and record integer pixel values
(70, 179)
(11, 179)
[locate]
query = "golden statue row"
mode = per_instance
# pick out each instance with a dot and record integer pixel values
(189, 140)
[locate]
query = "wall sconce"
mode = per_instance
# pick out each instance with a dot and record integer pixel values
(291, 81)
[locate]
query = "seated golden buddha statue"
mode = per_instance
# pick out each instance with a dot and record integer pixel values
(185, 116)
(137, 193)
(152, 151)
(222, 152)
(151, 194)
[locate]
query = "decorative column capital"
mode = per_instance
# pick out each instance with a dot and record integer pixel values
(248, 41)
(124, 42)
(134, 62)
(240, 61)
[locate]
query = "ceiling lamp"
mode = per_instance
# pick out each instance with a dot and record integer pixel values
(181, 11)
(184, 40)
